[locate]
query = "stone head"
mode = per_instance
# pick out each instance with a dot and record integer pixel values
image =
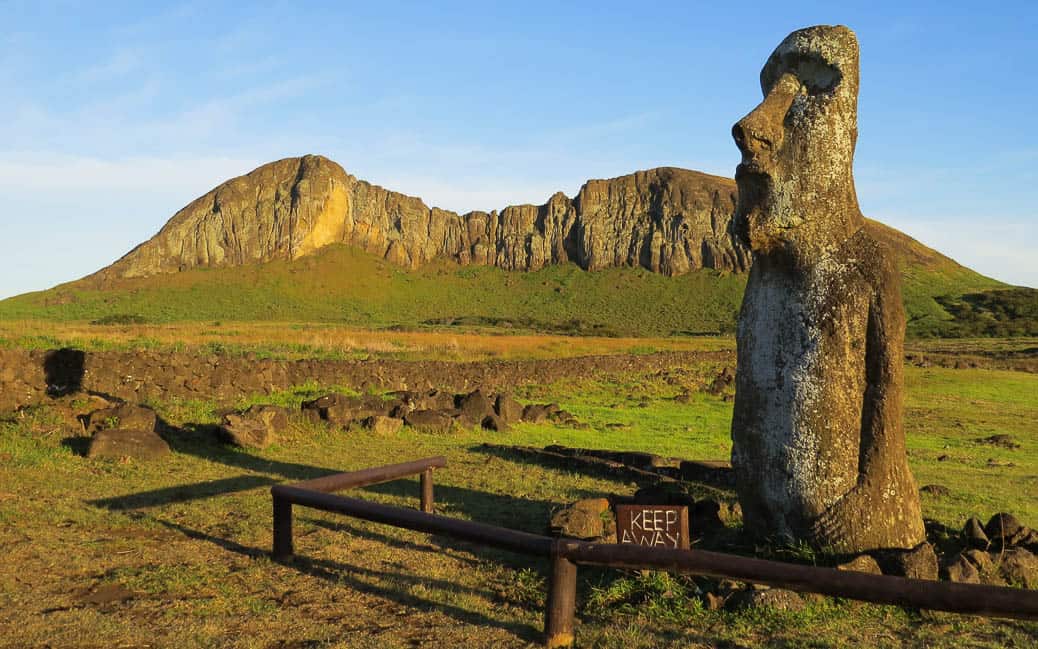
(796, 188)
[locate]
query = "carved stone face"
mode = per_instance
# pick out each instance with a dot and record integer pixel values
(796, 189)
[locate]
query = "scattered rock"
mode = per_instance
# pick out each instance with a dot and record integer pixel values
(861, 563)
(117, 443)
(985, 566)
(508, 409)
(430, 421)
(125, 416)
(993, 463)
(973, 534)
(474, 407)
(1019, 567)
(713, 602)
(721, 382)
(918, 563)
(535, 414)
(588, 519)
(961, 570)
(342, 410)
(936, 490)
(1002, 528)
(382, 425)
(684, 397)
(1003, 441)
(777, 599)
(494, 423)
(257, 427)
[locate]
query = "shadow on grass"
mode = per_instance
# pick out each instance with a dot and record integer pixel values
(352, 576)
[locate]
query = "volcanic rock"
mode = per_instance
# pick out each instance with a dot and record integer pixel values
(508, 409)
(381, 425)
(667, 220)
(118, 443)
(124, 416)
(430, 421)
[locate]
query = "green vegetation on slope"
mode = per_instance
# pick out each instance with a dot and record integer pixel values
(347, 286)
(344, 285)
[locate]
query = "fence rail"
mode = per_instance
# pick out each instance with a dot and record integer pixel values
(565, 555)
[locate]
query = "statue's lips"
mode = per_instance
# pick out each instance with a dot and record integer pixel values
(751, 168)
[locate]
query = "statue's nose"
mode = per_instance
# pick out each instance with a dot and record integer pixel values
(752, 134)
(762, 130)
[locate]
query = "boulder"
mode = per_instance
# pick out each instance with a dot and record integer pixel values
(474, 407)
(776, 599)
(430, 421)
(257, 427)
(961, 570)
(861, 563)
(935, 490)
(1019, 567)
(918, 563)
(434, 400)
(118, 443)
(494, 423)
(342, 409)
(973, 534)
(508, 409)
(1003, 528)
(535, 414)
(589, 519)
(985, 566)
(125, 416)
(381, 425)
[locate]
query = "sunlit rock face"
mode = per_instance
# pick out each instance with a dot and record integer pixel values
(666, 220)
(818, 442)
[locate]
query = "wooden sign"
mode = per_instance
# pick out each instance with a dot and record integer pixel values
(655, 526)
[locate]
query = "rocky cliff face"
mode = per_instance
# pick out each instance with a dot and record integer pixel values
(667, 220)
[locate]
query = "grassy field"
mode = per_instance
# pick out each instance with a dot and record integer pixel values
(347, 287)
(101, 553)
(290, 341)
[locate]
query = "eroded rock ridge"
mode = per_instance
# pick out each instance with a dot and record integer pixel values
(667, 220)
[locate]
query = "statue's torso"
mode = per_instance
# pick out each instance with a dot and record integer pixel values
(801, 381)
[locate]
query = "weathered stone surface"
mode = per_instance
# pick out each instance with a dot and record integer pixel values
(381, 425)
(861, 563)
(818, 443)
(257, 427)
(508, 409)
(973, 534)
(494, 423)
(474, 407)
(342, 410)
(918, 563)
(667, 220)
(117, 443)
(535, 414)
(985, 565)
(589, 519)
(1018, 567)
(1002, 528)
(961, 570)
(430, 421)
(777, 599)
(126, 416)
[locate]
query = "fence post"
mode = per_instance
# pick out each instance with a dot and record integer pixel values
(282, 528)
(427, 491)
(562, 601)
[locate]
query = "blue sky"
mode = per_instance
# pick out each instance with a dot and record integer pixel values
(115, 115)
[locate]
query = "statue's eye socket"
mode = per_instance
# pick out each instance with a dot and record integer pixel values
(817, 76)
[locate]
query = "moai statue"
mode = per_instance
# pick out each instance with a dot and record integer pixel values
(818, 443)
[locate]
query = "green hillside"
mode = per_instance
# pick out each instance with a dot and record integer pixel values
(344, 285)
